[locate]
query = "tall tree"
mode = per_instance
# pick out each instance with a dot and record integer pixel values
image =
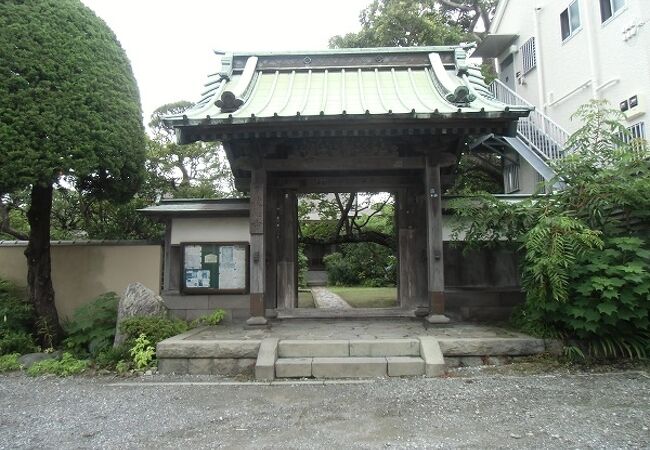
(402, 23)
(194, 170)
(69, 107)
(473, 16)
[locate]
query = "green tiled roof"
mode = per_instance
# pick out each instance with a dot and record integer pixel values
(420, 81)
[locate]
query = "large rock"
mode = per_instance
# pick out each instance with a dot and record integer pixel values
(137, 300)
(30, 359)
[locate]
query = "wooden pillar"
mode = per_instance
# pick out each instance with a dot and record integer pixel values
(406, 281)
(271, 236)
(287, 277)
(435, 266)
(257, 252)
(412, 255)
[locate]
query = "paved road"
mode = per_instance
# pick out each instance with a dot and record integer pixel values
(485, 411)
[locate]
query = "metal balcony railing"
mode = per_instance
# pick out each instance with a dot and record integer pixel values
(538, 131)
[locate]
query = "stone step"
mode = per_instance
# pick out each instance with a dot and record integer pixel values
(349, 367)
(352, 313)
(344, 348)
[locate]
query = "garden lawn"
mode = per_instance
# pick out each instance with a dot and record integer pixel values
(367, 297)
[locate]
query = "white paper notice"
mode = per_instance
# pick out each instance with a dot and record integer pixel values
(232, 267)
(192, 257)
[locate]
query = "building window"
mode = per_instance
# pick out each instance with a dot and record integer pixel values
(528, 58)
(610, 7)
(511, 178)
(570, 20)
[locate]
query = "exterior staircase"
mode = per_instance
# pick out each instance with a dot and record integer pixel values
(360, 358)
(539, 139)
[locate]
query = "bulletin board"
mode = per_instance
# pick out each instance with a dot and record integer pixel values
(214, 267)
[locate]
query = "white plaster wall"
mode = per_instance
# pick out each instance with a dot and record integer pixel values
(567, 65)
(520, 19)
(217, 229)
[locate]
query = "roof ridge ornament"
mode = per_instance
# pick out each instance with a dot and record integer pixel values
(226, 66)
(459, 95)
(232, 99)
(460, 58)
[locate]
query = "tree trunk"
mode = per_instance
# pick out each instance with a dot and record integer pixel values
(39, 267)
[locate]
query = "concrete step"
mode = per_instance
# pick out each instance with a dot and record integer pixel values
(349, 367)
(344, 348)
(357, 358)
(352, 313)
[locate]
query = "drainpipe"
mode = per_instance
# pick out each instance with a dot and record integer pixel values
(591, 48)
(541, 90)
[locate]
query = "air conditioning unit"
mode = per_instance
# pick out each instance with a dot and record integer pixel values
(632, 107)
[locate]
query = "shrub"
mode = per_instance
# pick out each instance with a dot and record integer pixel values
(366, 264)
(64, 367)
(9, 362)
(109, 357)
(17, 342)
(92, 328)
(122, 367)
(16, 321)
(609, 307)
(155, 329)
(212, 319)
(303, 267)
(16, 314)
(586, 270)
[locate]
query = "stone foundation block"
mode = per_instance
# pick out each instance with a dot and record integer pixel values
(510, 346)
(385, 347)
(293, 368)
(313, 348)
(434, 362)
(405, 366)
(351, 367)
(265, 365)
(200, 366)
(230, 367)
(176, 348)
(178, 366)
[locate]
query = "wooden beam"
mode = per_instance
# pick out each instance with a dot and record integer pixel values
(333, 163)
(258, 189)
(356, 183)
(435, 266)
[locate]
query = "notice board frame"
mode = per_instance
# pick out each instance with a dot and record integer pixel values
(208, 290)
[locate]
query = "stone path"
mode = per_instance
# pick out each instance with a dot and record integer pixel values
(326, 299)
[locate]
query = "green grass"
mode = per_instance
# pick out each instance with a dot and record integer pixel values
(305, 300)
(367, 297)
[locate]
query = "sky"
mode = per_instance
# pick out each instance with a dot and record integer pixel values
(170, 42)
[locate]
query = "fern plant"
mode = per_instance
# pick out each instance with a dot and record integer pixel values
(92, 328)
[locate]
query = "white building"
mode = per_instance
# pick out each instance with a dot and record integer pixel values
(559, 54)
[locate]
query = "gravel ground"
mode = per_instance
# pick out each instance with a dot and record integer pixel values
(477, 410)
